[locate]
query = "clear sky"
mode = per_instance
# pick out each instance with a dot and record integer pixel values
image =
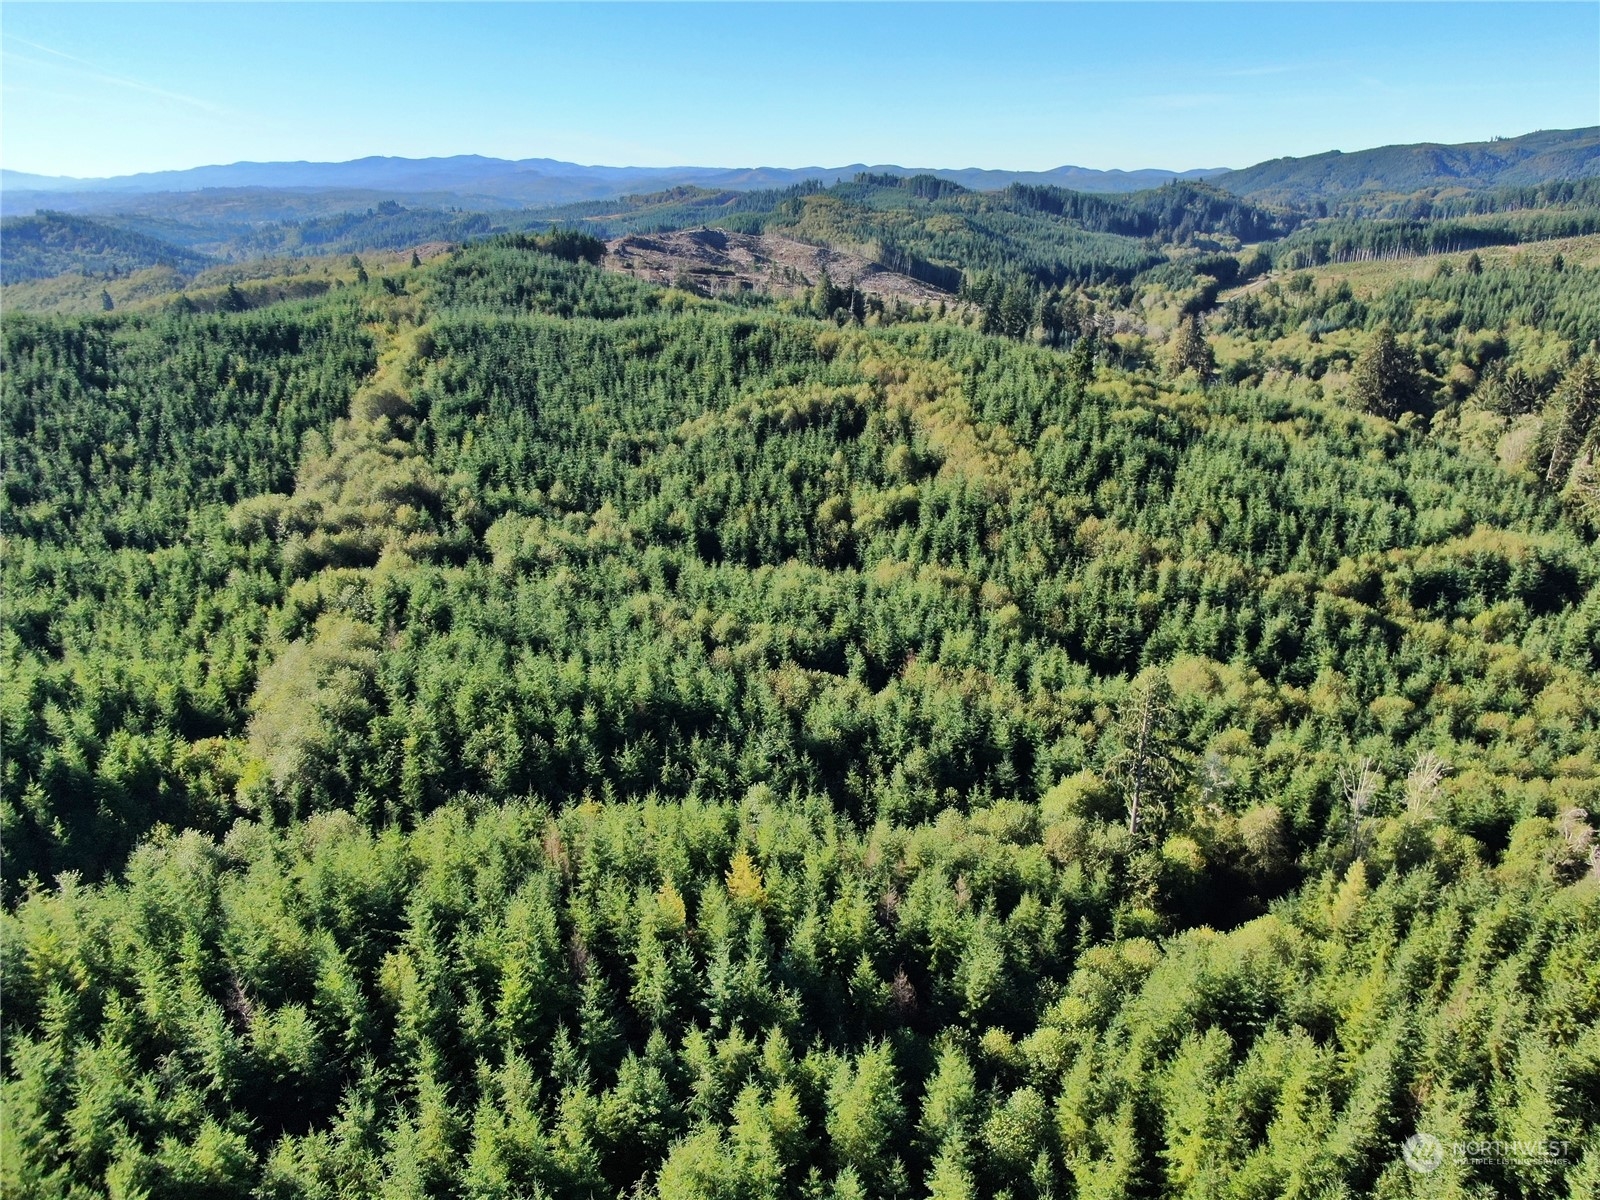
(112, 89)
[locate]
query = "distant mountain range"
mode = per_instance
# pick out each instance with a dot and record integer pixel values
(185, 220)
(474, 182)
(481, 182)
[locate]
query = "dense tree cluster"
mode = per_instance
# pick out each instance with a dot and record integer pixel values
(1352, 240)
(1385, 379)
(1439, 203)
(1174, 213)
(49, 243)
(1535, 293)
(388, 226)
(520, 732)
(1190, 351)
(758, 999)
(1505, 346)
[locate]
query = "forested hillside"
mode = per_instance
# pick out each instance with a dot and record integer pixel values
(498, 728)
(1508, 161)
(1031, 241)
(50, 243)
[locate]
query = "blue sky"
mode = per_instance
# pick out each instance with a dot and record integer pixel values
(111, 89)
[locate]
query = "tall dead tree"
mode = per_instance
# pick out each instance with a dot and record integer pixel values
(1146, 762)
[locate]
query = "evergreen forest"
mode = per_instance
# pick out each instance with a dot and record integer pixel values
(491, 727)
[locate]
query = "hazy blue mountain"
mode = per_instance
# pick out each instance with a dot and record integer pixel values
(478, 182)
(242, 207)
(248, 209)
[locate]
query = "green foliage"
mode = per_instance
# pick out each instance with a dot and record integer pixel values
(1385, 379)
(523, 732)
(1386, 171)
(570, 245)
(1173, 213)
(213, 1012)
(1526, 293)
(50, 243)
(1352, 240)
(1576, 419)
(1191, 352)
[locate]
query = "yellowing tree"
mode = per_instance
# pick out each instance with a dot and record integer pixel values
(744, 880)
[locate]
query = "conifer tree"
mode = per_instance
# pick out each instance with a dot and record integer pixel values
(1576, 417)
(1016, 309)
(1190, 350)
(1386, 380)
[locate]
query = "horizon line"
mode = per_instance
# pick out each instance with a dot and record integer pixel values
(691, 166)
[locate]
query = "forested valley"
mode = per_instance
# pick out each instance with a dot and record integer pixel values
(491, 727)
